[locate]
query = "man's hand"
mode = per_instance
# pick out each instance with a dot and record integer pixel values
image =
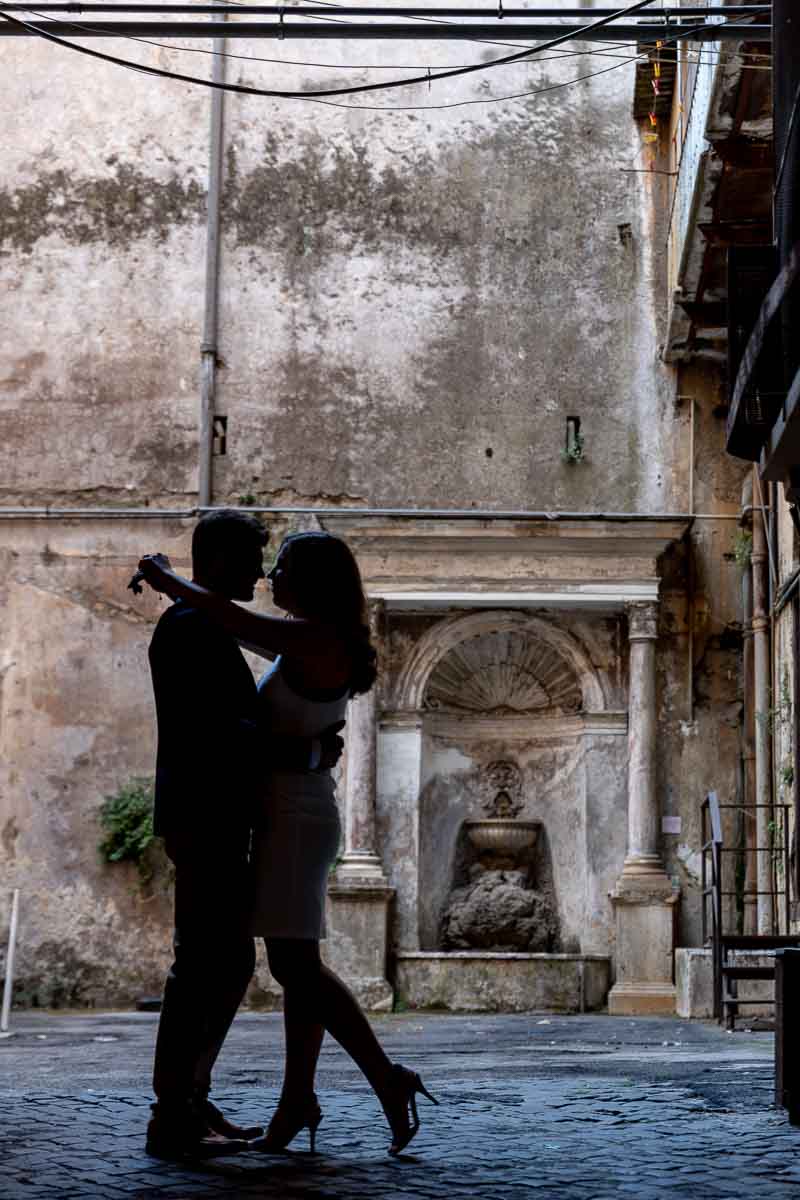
(151, 569)
(331, 746)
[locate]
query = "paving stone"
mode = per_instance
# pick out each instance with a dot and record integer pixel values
(640, 1119)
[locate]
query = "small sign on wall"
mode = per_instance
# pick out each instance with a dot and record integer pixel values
(670, 824)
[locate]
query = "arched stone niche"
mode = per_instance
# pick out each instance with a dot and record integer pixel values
(490, 686)
(457, 632)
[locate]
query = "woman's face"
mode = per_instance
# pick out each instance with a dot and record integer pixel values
(280, 582)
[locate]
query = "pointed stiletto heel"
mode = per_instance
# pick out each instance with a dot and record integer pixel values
(404, 1087)
(288, 1120)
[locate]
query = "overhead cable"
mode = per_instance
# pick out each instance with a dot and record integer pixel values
(247, 90)
(327, 94)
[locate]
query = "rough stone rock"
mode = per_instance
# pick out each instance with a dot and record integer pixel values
(497, 911)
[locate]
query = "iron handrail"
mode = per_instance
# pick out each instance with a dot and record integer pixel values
(711, 852)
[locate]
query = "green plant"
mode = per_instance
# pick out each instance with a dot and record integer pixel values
(573, 453)
(247, 500)
(742, 548)
(127, 819)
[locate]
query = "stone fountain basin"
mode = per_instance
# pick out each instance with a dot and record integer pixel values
(502, 835)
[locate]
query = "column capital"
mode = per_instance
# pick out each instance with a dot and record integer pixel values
(642, 621)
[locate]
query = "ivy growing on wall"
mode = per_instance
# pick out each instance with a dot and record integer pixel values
(127, 820)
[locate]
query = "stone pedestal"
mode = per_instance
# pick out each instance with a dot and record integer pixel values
(644, 900)
(359, 893)
(645, 919)
(358, 918)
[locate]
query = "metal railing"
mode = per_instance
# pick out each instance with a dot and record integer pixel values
(713, 893)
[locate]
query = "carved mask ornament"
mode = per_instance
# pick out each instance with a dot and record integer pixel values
(501, 789)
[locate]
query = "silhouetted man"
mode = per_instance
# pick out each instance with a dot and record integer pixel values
(211, 759)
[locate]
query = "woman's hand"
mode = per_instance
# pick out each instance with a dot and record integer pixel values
(154, 568)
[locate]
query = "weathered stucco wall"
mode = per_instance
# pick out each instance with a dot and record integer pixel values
(411, 304)
(76, 723)
(700, 710)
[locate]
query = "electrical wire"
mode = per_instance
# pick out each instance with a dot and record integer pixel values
(242, 4)
(324, 96)
(706, 55)
(499, 99)
(303, 63)
(247, 90)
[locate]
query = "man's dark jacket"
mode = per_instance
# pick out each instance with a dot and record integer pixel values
(208, 744)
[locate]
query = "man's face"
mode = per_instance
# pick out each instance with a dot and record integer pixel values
(235, 571)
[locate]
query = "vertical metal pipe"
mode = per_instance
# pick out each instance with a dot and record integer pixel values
(8, 985)
(795, 882)
(690, 573)
(762, 722)
(749, 924)
(208, 348)
(787, 909)
(750, 900)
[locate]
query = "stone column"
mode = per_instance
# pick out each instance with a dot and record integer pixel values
(359, 894)
(644, 899)
(643, 857)
(360, 859)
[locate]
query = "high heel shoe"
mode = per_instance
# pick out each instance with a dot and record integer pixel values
(289, 1119)
(400, 1105)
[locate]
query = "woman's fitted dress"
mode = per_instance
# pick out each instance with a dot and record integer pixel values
(296, 830)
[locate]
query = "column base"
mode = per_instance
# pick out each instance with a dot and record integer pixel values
(360, 865)
(641, 999)
(356, 947)
(646, 909)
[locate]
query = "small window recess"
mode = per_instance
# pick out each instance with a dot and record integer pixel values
(573, 442)
(220, 444)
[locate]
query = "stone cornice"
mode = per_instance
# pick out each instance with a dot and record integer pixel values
(602, 563)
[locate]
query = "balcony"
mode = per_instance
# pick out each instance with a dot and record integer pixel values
(721, 152)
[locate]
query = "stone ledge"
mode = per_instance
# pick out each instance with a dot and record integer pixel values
(694, 981)
(496, 981)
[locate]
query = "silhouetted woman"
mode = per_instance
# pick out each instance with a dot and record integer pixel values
(323, 657)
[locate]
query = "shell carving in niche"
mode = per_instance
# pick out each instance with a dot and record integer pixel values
(503, 671)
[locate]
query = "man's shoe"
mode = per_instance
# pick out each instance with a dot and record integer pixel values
(218, 1123)
(182, 1141)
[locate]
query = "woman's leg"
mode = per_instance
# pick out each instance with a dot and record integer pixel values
(303, 1042)
(315, 998)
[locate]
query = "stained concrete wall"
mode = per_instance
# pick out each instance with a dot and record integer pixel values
(412, 303)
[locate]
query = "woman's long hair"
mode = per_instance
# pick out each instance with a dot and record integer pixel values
(326, 583)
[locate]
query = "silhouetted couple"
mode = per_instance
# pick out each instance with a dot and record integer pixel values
(245, 804)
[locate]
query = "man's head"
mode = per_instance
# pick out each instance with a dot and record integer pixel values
(227, 552)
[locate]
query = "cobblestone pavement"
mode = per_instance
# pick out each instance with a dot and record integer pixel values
(579, 1108)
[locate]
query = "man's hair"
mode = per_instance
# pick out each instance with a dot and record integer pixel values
(225, 529)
